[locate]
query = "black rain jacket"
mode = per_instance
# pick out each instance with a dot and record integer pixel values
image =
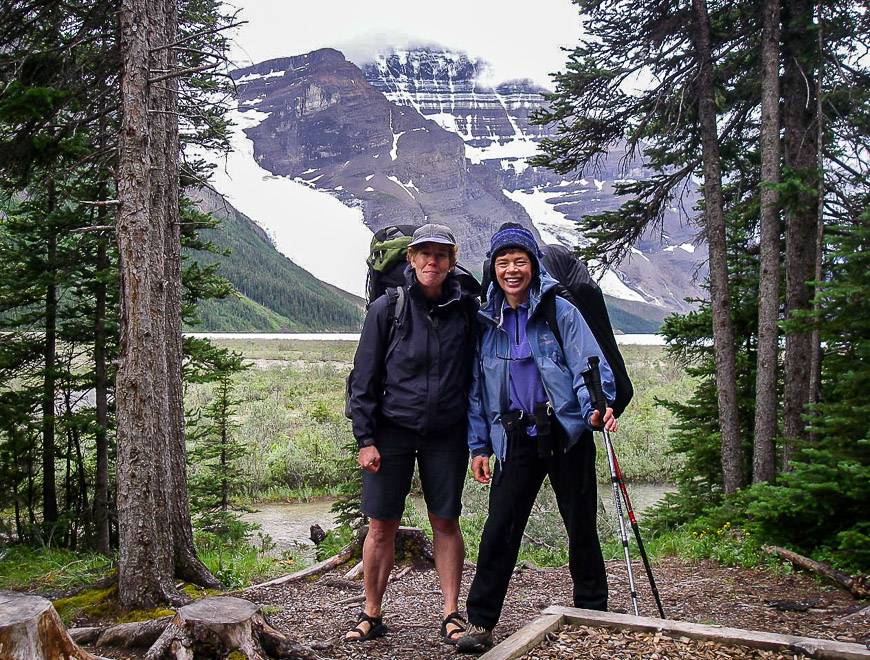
(423, 384)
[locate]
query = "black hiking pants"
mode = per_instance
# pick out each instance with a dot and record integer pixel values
(515, 484)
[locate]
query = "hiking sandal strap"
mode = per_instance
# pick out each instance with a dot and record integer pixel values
(457, 620)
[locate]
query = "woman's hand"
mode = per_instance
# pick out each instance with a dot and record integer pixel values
(369, 458)
(610, 422)
(480, 469)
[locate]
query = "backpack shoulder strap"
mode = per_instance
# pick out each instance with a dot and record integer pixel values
(396, 305)
(548, 302)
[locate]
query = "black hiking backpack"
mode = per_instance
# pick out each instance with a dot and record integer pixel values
(386, 267)
(577, 287)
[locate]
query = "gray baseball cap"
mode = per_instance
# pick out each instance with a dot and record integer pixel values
(432, 233)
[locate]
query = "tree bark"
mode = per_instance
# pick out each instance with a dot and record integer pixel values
(187, 565)
(145, 563)
(723, 328)
(766, 406)
(800, 145)
(49, 488)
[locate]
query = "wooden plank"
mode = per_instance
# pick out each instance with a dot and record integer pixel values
(810, 646)
(527, 637)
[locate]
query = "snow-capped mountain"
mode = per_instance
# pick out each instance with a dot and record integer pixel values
(417, 136)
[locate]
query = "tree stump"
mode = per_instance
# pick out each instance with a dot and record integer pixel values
(30, 629)
(216, 627)
(412, 544)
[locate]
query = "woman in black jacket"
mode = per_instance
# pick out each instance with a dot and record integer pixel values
(408, 401)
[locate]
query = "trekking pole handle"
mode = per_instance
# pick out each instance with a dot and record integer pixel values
(592, 378)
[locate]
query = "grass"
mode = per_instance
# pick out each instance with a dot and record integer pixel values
(24, 568)
(292, 416)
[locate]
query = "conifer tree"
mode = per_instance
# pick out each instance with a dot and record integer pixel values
(216, 477)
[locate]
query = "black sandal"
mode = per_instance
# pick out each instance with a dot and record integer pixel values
(456, 619)
(376, 628)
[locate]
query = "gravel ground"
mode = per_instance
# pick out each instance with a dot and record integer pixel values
(318, 612)
(321, 611)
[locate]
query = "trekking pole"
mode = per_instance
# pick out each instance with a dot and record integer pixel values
(592, 377)
(634, 526)
(616, 472)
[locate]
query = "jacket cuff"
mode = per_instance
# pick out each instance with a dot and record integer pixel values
(365, 442)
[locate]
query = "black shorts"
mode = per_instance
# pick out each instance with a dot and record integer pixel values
(443, 460)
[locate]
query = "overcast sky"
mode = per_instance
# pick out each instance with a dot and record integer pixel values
(520, 38)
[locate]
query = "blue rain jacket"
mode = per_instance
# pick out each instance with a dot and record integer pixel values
(561, 371)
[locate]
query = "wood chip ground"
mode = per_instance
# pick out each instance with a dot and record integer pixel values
(576, 643)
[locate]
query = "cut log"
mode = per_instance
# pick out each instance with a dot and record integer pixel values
(355, 572)
(411, 543)
(857, 585)
(30, 629)
(216, 627)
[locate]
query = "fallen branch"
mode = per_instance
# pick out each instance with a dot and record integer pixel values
(139, 634)
(858, 614)
(347, 601)
(410, 542)
(857, 585)
(338, 559)
(398, 576)
(355, 572)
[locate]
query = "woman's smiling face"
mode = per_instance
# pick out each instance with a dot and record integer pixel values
(513, 272)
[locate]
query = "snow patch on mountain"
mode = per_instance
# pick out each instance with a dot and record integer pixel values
(686, 247)
(310, 227)
(554, 227)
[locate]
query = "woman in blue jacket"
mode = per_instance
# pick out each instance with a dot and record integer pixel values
(529, 407)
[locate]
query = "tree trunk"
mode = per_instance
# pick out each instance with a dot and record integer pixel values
(101, 385)
(815, 384)
(49, 488)
(217, 627)
(30, 629)
(800, 144)
(723, 329)
(145, 564)
(187, 564)
(766, 408)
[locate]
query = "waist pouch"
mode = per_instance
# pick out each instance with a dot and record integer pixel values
(517, 422)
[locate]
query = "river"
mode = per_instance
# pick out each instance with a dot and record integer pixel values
(289, 523)
(625, 340)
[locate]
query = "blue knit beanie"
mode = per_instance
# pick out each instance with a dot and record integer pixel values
(511, 234)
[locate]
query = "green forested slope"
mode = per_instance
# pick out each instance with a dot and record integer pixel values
(276, 294)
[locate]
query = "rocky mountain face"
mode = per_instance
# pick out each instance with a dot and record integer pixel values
(418, 136)
(329, 127)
